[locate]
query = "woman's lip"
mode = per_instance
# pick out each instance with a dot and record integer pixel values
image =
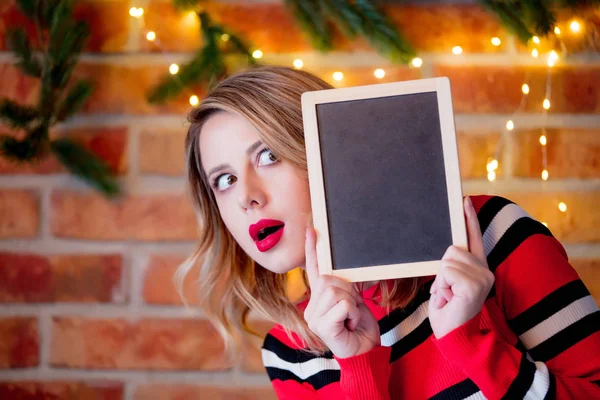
(270, 241)
(260, 225)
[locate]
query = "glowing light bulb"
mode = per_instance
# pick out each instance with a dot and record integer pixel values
(225, 37)
(575, 26)
(510, 125)
(257, 54)
(417, 62)
(545, 175)
(546, 104)
(151, 36)
(457, 50)
(543, 140)
(298, 63)
(379, 73)
(525, 88)
(491, 176)
(136, 12)
(535, 53)
(554, 55)
(551, 62)
(536, 40)
(496, 41)
(562, 206)
(173, 69)
(338, 76)
(556, 30)
(194, 100)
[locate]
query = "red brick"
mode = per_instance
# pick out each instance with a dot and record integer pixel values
(162, 152)
(17, 86)
(251, 360)
(192, 392)
(475, 150)
(168, 344)
(571, 153)
(151, 217)
(589, 271)
(108, 22)
(19, 342)
(19, 213)
(33, 278)
(273, 29)
(60, 390)
(486, 89)
(579, 224)
(159, 287)
(109, 144)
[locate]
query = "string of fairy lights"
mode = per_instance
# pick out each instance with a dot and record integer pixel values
(552, 57)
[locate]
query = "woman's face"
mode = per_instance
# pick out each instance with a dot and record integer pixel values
(264, 202)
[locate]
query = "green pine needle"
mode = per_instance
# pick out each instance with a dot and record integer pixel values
(28, 7)
(74, 100)
(20, 151)
(15, 115)
(86, 165)
(27, 60)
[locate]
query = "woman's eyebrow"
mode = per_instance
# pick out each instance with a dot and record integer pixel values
(249, 151)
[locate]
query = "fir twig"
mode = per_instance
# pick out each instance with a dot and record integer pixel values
(60, 40)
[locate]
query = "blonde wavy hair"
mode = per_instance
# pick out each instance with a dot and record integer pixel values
(231, 284)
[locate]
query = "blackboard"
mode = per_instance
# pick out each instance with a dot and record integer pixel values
(384, 178)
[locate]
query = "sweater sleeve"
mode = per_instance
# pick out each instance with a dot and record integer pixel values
(555, 319)
(366, 376)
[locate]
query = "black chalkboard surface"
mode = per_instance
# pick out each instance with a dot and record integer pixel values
(384, 178)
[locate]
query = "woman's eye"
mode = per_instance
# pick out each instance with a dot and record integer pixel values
(266, 157)
(224, 181)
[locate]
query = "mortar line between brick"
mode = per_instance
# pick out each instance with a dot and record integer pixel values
(45, 332)
(212, 378)
(97, 311)
(45, 212)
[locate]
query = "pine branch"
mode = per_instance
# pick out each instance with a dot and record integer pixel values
(15, 115)
(311, 18)
(538, 16)
(513, 22)
(346, 18)
(61, 40)
(380, 32)
(86, 165)
(27, 60)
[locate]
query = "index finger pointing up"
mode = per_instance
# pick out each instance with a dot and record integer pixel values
(312, 269)
(474, 232)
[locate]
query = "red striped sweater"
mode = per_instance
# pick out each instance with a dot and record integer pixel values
(537, 336)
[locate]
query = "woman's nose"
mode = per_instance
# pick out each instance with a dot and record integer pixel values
(251, 194)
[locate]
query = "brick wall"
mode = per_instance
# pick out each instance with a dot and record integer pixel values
(88, 309)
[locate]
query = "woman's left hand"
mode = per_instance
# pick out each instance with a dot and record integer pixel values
(463, 282)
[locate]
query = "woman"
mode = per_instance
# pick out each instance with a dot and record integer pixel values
(507, 319)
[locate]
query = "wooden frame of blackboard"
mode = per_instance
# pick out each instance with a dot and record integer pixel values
(310, 101)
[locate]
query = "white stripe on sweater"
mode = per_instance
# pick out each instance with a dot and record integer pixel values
(503, 220)
(302, 370)
(558, 321)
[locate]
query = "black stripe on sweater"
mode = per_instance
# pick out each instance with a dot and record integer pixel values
(461, 390)
(566, 338)
(288, 354)
(521, 384)
(317, 381)
(398, 315)
(411, 341)
(488, 211)
(518, 232)
(548, 306)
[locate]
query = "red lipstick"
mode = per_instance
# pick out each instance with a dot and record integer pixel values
(266, 233)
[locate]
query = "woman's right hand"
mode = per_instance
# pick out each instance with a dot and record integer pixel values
(336, 312)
